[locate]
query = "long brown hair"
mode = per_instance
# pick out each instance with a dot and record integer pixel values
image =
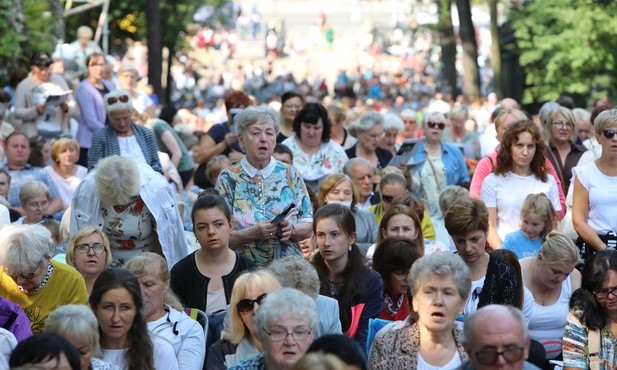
(505, 162)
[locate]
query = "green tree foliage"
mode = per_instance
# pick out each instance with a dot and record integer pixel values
(567, 46)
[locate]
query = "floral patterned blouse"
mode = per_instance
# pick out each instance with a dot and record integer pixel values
(330, 158)
(130, 231)
(258, 196)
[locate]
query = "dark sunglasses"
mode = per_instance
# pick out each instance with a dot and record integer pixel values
(440, 125)
(387, 198)
(609, 134)
(43, 64)
(122, 99)
(246, 305)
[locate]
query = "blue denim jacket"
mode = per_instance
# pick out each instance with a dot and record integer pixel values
(453, 160)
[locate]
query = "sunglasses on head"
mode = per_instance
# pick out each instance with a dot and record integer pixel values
(609, 134)
(246, 305)
(122, 99)
(440, 125)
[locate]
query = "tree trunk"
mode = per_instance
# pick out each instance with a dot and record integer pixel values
(448, 45)
(495, 49)
(155, 45)
(471, 72)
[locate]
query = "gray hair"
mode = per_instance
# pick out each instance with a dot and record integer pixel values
(24, 247)
(117, 180)
(118, 105)
(355, 162)
(442, 264)
(581, 114)
(77, 321)
(31, 190)
(392, 121)
(283, 303)
(252, 115)
(409, 113)
(546, 110)
(605, 120)
(449, 195)
(470, 320)
(429, 116)
(459, 111)
(366, 122)
(296, 272)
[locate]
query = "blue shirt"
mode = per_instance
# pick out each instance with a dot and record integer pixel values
(521, 245)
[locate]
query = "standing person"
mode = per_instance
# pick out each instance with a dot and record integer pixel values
(444, 164)
(361, 173)
(117, 304)
(128, 75)
(392, 126)
(338, 132)
(259, 188)
(291, 104)
(315, 154)
(595, 193)
(88, 251)
(84, 47)
(411, 130)
(496, 338)
(37, 116)
(122, 136)
(520, 170)
(369, 130)
(342, 273)
(458, 135)
(64, 171)
(89, 97)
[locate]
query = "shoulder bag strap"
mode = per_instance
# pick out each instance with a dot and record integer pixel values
(593, 337)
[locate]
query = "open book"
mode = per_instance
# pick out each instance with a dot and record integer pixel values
(405, 153)
(54, 94)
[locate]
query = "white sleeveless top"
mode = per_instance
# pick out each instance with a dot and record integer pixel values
(453, 364)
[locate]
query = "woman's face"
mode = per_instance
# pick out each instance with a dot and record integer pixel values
(389, 139)
(370, 138)
(397, 283)
(30, 278)
(607, 296)
(470, 247)
(437, 303)
(434, 133)
(609, 145)
(248, 318)
(96, 68)
(411, 126)
(121, 122)
(42, 72)
(552, 275)
(259, 140)
(86, 350)
(311, 133)
(400, 225)
(68, 156)
(153, 290)
(561, 129)
(127, 80)
(4, 185)
(115, 313)
(523, 150)
(212, 229)
(342, 192)
(90, 263)
(284, 354)
(290, 109)
(332, 242)
(36, 207)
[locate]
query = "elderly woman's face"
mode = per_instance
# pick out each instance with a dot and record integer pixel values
(85, 349)
(121, 122)
(433, 129)
(89, 255)
(30, 278)
(561, 129)
(607, 295)
(153, 290)
(287, 340)
(127, 80)
(259, 140)
(36, 207)
(370, 138)
(411, 125)
(437, 302)
(389, 138)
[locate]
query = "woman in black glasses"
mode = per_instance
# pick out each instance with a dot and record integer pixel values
(444, 164)
(89, 252)
(595, 193)
(241, 340)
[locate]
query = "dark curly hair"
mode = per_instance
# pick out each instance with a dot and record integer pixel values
(311, 113)
(505, 162)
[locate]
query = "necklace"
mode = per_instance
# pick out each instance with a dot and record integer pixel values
(540, 300)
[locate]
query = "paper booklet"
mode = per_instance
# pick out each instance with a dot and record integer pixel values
(405, 153)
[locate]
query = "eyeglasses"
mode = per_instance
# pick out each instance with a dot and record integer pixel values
(609, 134)
(440, 125)
(401, 275)
(375, 136)
(278, 335)
(98, 248)
(113, 100)
(38, 205)
(387, 198)
(27, 276)
(604, 293)
(100, 65)
(292, 106)
(246, 305)
(562, 125)
(510, 354)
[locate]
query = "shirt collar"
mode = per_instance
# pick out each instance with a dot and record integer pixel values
(252, 171)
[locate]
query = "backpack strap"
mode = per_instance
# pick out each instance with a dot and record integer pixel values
(9, 322)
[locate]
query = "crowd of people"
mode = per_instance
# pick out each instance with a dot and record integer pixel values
(302, 230)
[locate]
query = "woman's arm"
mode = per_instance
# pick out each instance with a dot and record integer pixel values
(192, 351)
(493, 237)
(171, 144)
(580, 217)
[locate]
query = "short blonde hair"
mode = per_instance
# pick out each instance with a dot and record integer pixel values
(605, 120)
(85, 232)
(31, 190)
(264, 280)
(59, 145)
(77, 321)
(117, 180)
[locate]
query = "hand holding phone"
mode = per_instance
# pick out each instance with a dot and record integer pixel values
(281, 216)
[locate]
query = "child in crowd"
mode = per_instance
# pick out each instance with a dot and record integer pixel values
(538, 218)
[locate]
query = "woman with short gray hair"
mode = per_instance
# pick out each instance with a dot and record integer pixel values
(268, 198)
(286, 321)
(369, 130)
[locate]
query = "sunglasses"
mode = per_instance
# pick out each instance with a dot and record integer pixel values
(246, 305)
(43, 64)
(387, 198)
(440, 125)
(122, 99)
(609, 134)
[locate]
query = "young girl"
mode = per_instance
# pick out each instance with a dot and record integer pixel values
(538, 218)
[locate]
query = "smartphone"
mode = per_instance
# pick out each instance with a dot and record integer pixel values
(281, 216)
